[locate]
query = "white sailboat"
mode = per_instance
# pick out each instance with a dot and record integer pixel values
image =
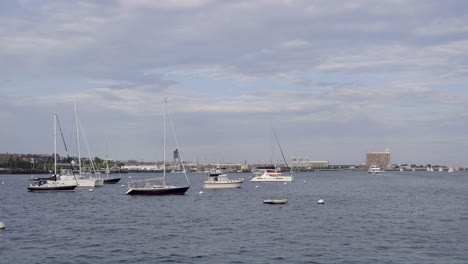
(272, 175)
(82, 179)
(158, 186)
(54, 183)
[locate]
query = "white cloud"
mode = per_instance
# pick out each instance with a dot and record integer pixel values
(164, 4)
(343, 66)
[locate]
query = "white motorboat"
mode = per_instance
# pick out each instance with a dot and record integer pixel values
(219, 180)
(374, 169)
(272, 176)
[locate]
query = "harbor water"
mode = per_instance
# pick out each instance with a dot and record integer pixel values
(396, 217)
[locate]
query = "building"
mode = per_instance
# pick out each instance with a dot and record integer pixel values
(381, 159)
(300, 163)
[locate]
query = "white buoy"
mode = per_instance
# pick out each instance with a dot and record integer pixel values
(123, 185)
(285, 183)
(3, 182)
(90, 190)
(321, 201)
(2, 225)
(129, 177)
(200, 192)
(256, 186)
(304, 180)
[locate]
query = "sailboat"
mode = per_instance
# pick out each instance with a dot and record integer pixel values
(272, 175)
(82, 180)
(158, 186)
(54, 183)
(108, 179)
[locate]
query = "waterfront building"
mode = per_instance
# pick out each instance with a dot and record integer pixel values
(299, 163)
(381, 159)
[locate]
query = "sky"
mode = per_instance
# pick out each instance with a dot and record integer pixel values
(335, 79)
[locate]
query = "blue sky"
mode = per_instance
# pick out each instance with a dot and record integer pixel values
(335, 78)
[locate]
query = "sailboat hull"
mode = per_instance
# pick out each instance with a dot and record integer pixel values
(111, 180)
(158, 191)
(51, 188)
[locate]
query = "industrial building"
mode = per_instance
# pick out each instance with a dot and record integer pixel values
(381, 159)
(301, 164)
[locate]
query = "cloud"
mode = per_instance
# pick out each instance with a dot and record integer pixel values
(334, 68)
(164, 4)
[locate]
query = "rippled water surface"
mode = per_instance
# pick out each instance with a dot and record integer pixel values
(399, 217)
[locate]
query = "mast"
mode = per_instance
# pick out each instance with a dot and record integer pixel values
(77, 137)
(55, 145)
(164, 148)
(279, 145)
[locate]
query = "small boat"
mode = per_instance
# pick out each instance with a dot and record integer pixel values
(275, 201)
(157, 186)
(53, 183)
(219, 180)
(374, 169)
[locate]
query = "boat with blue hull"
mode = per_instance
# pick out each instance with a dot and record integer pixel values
(157, 186)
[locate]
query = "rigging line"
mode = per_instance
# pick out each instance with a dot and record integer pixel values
(65, 144)
(279, 145)
(180, 155)
(93, 165)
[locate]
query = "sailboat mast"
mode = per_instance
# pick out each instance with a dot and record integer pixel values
(281, 150)
(55, 144)
(77, 137)
(164, 148)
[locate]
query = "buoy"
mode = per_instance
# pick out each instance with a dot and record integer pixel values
(321, 201)
(123, 185)
(256, 186)
(304, 180)
(3, 182)
(2, 225)
(90, 190)
(285, 183)
(129, 177)
(200, 192)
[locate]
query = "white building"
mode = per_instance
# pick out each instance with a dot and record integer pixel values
(306, 164)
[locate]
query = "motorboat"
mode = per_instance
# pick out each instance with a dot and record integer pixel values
(272, 176)
(220, 180)
(374, 169)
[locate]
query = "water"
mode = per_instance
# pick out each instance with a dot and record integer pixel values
(398, 217)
